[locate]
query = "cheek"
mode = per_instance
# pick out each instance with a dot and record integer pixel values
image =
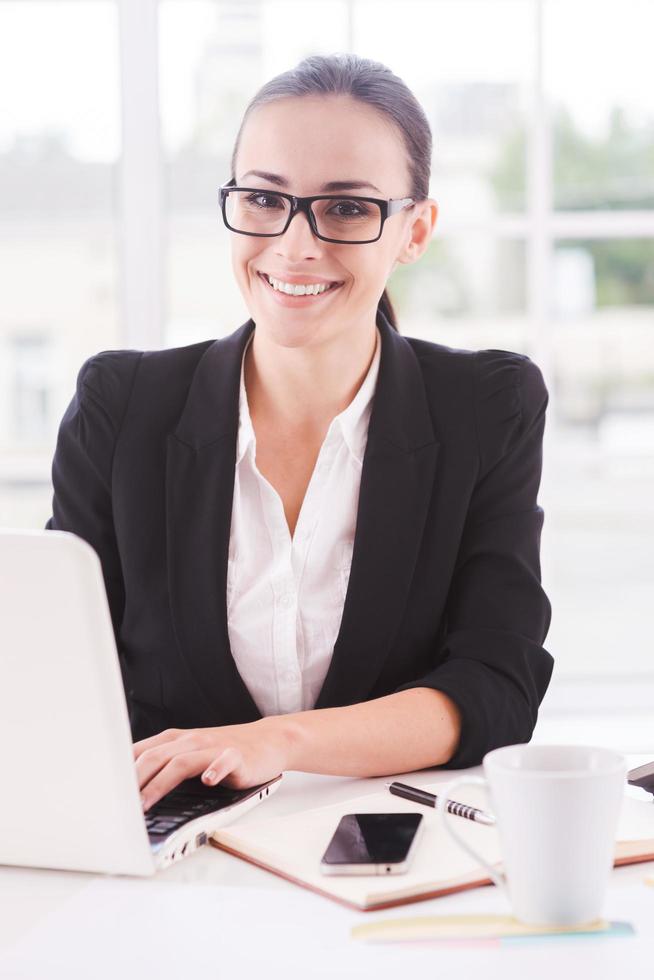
(244, 259)
(362, 268)
(372, 271)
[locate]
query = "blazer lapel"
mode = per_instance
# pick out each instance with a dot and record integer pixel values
(200, 463)
(397, 481)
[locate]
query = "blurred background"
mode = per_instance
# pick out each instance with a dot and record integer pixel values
(117, 125)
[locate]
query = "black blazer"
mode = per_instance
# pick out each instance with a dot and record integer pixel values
(444, 589)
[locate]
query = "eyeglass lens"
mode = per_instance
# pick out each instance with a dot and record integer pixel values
(259, 213)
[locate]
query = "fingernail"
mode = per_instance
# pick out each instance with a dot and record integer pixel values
(210, 775)
(144, 802)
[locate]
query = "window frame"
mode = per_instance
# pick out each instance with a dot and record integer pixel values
(141, 219)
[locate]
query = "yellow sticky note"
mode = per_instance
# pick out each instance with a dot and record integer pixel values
(460, 927)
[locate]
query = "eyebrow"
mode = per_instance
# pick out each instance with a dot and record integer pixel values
(331, 185)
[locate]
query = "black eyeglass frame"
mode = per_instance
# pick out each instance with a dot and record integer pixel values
(387, 209)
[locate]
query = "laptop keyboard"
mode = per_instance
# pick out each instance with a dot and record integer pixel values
(184, 804)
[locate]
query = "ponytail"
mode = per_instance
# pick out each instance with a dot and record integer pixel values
(386, 307)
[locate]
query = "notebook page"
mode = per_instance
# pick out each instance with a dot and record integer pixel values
(294, 845)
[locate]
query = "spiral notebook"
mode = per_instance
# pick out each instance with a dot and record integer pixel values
(292, 846)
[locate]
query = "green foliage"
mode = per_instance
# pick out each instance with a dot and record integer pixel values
(612, 172)
(508, 176)
(624, 269)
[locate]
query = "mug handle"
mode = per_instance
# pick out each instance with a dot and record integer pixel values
(447, 793)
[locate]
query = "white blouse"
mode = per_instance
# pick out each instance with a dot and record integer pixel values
(285, 595)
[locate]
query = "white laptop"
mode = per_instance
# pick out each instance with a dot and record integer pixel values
(70, 797)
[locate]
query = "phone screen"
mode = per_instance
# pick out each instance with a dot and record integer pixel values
(372, 838)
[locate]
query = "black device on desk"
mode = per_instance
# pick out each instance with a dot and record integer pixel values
(642, 776)
(372, 844)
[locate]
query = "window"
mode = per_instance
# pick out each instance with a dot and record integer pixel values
(542, 168)
(59, 146)
(31, 387)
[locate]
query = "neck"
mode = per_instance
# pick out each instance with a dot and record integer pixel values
(302, 388)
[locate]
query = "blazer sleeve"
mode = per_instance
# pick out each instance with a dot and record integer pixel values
(82, 463)
(491, 662)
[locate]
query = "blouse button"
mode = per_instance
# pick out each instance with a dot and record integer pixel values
(287, 600)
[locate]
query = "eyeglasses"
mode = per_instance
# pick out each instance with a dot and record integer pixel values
(337, 218)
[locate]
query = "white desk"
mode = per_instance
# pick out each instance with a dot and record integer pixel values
(213, 915)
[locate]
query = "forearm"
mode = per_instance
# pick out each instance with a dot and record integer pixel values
(402, 732)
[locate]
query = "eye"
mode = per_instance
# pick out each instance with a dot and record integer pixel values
(351, 209)
(255, 198)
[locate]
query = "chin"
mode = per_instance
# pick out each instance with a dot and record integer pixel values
(283, 332)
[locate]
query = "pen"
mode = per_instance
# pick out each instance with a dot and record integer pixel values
(422, 796)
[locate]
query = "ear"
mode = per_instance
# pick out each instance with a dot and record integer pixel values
(419, 233)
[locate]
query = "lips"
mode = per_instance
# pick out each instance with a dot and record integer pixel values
(332, 285)
(301, 280)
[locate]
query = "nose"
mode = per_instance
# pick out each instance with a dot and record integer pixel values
(299, 241)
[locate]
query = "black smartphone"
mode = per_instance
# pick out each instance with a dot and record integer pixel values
(372, 844)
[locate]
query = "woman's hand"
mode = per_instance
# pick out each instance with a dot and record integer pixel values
(238, 755)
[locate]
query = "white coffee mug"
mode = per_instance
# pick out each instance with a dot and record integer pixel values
(557, 809)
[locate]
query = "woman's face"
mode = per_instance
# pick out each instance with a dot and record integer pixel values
(309, 142)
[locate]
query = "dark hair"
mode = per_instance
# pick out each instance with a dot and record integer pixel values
(377, 86)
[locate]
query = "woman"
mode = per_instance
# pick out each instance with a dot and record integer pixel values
(320, 539)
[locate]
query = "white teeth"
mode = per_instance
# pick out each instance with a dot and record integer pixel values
(291, 289)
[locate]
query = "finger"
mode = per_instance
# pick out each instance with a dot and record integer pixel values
(225, 762)
(147, 743)
(179, 768)
(156, 757)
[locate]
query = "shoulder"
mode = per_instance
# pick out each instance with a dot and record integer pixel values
(511, 398)
(488, 369)
(504, 391)
(109, 377)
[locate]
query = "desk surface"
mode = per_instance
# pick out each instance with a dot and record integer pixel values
(216, 913)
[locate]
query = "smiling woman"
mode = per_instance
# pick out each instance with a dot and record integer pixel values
(320, 539)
